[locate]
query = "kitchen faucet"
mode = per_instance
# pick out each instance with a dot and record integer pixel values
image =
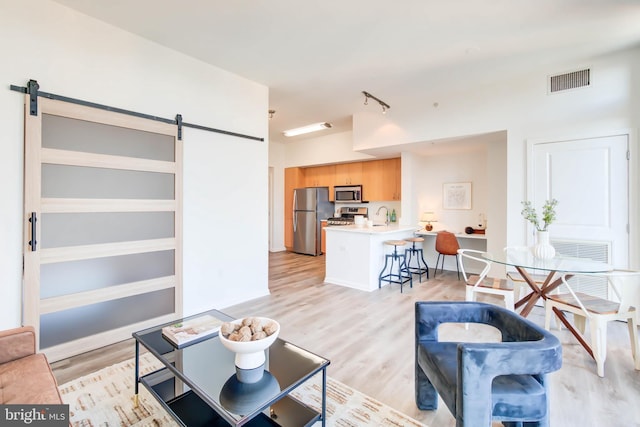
(386, 217)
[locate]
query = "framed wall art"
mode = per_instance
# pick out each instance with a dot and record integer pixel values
(456, 195)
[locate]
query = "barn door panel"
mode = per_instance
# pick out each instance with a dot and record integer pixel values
(105, 192)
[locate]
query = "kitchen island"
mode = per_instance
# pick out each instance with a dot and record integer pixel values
(355, 255)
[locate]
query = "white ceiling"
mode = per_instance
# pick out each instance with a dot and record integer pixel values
(317, 57)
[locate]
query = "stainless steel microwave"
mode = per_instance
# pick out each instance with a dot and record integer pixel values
(348, 194)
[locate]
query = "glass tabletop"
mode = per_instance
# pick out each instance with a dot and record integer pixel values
(522, 257)
(208, 368)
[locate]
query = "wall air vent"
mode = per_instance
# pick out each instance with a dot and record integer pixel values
(596, 251)
(568, 81)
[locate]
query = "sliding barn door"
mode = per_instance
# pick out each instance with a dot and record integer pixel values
(103, 234)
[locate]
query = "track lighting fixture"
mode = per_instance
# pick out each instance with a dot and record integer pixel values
(383, 104)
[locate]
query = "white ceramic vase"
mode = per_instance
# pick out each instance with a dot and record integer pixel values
(543, 248)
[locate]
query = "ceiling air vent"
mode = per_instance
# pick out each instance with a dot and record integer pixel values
(567, 81)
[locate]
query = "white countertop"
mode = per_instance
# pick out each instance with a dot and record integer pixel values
(423, 232)
(378, 229)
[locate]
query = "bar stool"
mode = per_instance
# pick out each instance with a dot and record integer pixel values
(403, 274)
(416, 253)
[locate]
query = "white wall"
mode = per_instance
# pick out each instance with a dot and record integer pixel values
(523, 108)
(434, 171)
(485, 167)
(332, 148)
(225, 178)
(277, 162)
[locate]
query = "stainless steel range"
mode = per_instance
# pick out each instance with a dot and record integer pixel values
(347, 216)
(340, 221)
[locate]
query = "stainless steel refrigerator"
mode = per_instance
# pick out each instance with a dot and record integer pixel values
(310, 206)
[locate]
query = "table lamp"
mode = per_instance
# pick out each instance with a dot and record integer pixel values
(428, 217)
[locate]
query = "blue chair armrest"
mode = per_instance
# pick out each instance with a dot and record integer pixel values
(489, 360)
(430, 315)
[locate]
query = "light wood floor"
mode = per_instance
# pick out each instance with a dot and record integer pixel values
(368, 336)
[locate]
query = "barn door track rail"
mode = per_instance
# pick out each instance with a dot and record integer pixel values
(33, 89)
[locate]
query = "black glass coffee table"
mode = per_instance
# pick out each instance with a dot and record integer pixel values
(198, 385)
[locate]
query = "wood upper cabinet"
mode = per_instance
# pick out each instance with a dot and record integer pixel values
(348, 173)
(381, 180)
(311, 176)
(320, 176)
(394, 168)
(373, 181)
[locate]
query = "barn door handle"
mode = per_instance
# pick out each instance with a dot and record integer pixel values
(33, 242)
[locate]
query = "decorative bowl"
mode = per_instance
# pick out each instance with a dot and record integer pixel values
(240, 398)
(250, 355)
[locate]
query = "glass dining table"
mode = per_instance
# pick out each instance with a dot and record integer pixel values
(523, 260)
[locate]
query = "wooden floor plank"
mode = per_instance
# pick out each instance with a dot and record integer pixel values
(368, 336)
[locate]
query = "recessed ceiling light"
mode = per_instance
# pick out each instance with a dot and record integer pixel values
(306, 129)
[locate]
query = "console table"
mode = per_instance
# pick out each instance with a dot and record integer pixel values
(467, 241)
(198, 385)
(422, 232)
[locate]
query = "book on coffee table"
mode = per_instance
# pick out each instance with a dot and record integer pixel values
(191, 331)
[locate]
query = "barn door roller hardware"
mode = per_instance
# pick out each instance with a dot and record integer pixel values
(33, 89)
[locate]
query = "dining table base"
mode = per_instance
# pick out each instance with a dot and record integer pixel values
(560, 315)
(529, 300)
(557, 267)
(548, 286)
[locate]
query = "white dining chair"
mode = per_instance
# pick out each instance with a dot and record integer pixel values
(599, 311)
(480, 283)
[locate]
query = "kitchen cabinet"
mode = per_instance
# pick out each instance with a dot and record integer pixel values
(293, 178)
(373, 181)
(320, 176)
(288, 234)
(323, 243)
(381, 180)
(348, 173)
(394, 170)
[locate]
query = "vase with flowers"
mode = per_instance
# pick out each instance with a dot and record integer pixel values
(542, 248)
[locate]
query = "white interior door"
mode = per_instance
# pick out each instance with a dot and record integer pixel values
(590, 179)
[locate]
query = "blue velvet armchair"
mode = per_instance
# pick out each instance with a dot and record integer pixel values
(480, 382)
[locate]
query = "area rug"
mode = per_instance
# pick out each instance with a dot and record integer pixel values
(104, 398)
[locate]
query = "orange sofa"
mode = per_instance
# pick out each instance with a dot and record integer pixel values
(25, 376)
